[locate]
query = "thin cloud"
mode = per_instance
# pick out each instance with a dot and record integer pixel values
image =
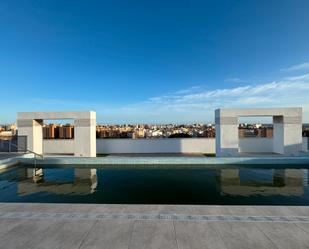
(298, 67)
(198, 105)
(234, 80)
(304, 77)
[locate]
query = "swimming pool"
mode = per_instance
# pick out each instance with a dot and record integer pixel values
(129, 184)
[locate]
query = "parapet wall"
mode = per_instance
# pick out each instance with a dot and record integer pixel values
(168, 145)
(165, 145)
(109, 146)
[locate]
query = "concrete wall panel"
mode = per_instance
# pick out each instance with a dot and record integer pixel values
(175, 145)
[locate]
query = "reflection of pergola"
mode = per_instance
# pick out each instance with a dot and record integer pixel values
(285, 182)
(83, 183)
(30, 125)
(287, 122)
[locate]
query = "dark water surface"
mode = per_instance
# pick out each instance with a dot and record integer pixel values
(165, 185)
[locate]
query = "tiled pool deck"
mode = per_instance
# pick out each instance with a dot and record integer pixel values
(80, 226)
(152, 226)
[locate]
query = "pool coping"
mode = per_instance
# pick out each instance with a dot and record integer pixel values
(13, 161)
(300, 160)
(140, 160)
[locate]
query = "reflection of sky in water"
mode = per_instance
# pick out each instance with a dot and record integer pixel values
(67, 175)
(156, 185)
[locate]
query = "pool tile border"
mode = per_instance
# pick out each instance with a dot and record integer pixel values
(158, 216)
(300, 160)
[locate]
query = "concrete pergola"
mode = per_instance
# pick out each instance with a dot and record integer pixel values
(30, 124)
(287, 135)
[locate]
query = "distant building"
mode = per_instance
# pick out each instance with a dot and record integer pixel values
(50, 131)
(55, 131)
(66, 131)
(140, 133)
(254, 131)
(267, 132)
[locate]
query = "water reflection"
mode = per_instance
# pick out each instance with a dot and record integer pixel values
(284, 182)
(82, 182)
(194, 185)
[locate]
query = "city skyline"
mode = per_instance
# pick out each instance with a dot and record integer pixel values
(148, 131)
(130, 66)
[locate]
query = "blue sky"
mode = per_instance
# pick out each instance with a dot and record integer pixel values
(153, 61)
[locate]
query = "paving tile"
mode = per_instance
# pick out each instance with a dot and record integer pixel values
(277, 210)
(142, 209)
(285, 235)
(8, 224)
(153, 234)
(243, 235)
(126, 227)
(65, 234)
(46, 234)
(191, 235)
(23, 235)
(245, 210)
(109, 234)
(299, 210)
(175, 209)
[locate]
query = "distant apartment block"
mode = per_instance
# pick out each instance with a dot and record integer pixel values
(252, 131)
(54, 131)
(66, 131)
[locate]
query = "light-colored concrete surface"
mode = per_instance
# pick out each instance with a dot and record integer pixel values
(285, 236)
(153, 234)
(147, 226)
(287, 124)
(165, 145)
(239, 235)
(196, 235)
(160, 145)
(30, 124)
(109, 234)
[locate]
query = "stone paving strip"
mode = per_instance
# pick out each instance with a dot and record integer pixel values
(167, 217)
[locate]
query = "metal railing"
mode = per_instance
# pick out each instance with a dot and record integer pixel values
(30, 151)
(17, 144)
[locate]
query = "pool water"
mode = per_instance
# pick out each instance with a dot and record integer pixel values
(233, 185)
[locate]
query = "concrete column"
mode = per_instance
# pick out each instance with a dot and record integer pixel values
(33, 130)
(85, 136)
(287, 134)
(30, 125)
(278, 135)
(287, 129)
(226, 134)
(292, 134)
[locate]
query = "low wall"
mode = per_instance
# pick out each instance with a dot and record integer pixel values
(58, 146)
(165, 145)
(252, 144)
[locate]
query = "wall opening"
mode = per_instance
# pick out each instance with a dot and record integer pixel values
(58, 129)
(255, 134)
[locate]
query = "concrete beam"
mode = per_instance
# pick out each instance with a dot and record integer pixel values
(287, 129)
(30, 124)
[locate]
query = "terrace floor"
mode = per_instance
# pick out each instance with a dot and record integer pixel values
(152, 226)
